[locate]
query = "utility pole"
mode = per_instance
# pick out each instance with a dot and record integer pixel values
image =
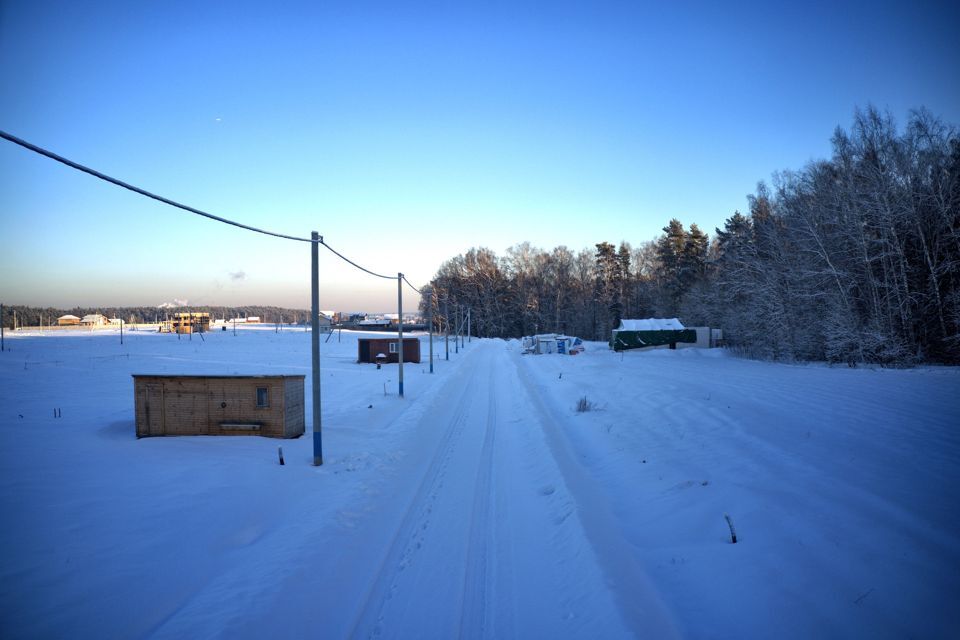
(469, 317)
(430, 323)
(456, 337)
(315, 345)
(446, 326)
(1, 328)
(121, 330)
(400, 327)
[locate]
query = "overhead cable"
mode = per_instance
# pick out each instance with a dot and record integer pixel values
(143, 192)
(411, 286)
(346, 259)
(172, 203)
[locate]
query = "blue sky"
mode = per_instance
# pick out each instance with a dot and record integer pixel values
(407, 134)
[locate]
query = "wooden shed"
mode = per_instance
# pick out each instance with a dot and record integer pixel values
(172, 405)
(368, 348)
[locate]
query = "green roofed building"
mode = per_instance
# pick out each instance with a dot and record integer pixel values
(651, 332)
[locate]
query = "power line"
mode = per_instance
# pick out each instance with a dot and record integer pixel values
(172, 203)
(346, 259)
(143, 192)
(411, 286)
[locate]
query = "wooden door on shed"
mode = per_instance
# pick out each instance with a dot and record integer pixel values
(153, 407)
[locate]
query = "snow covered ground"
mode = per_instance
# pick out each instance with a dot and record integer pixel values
(483, 504)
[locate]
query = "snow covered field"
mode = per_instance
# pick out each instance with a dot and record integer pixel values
(483, 504)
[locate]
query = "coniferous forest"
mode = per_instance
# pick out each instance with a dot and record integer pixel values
(855, 259)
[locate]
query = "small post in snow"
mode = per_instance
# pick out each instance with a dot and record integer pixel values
(733, 532)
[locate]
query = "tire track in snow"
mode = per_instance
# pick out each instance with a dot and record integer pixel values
(475, 615)
(637, 599)
(409, 540)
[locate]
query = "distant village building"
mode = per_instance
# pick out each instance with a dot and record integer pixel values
(94, 320)
(172, 405)
(186, 322)
(369, 348)
(68, 320)
(374, 324)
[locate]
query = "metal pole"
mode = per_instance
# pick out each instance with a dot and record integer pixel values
(456, 337)
(446, 326)
(1, 328)
(400, 327)
(315, 346)
(121, 330)
(430, 321)
(469, 317)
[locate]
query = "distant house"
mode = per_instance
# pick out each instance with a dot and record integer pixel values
(369, 348)
(187, 322)
(185, 405)
(68, 320)
(650, 332)
(94, 320)
(374, 324)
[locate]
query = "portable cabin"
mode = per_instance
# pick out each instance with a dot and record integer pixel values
(185, 405)
(651, 332)
(369, 348)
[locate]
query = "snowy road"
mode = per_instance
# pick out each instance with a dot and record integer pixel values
(482, 505)
(490, 544)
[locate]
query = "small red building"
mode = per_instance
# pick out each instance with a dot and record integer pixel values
(369, 348)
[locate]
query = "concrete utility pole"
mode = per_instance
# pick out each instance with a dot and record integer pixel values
(400, 327)
(315, 346)
(430, 323)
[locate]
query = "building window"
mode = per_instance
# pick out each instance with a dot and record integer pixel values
(263, 397)
(393, 347)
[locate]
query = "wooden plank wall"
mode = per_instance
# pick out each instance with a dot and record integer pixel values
(199, 406)
(294, 416)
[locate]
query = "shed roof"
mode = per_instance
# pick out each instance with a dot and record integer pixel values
(650, 324)
(68, 317)
(218, 377)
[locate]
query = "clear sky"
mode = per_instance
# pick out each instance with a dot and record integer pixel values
(405, 134)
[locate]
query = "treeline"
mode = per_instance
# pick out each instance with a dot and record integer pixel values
(855, 259)
(31, 316)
